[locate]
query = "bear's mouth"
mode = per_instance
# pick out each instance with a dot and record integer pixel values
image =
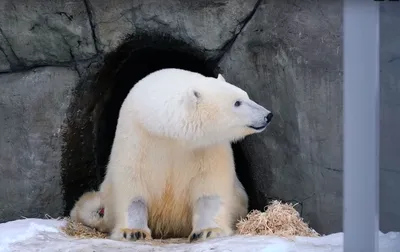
(258, 128)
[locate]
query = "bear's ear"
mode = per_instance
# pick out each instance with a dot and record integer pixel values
(196, 94)
(192, 97)
(220, 77)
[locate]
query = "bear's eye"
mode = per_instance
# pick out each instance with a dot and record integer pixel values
(238, 103)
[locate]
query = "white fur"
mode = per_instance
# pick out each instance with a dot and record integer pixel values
(172, 151)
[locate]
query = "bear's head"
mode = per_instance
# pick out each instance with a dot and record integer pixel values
(198, 110)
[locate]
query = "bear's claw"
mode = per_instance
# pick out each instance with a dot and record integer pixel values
(134, 234)
(206, 234)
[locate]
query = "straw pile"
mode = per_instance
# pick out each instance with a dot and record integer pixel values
(279, 220)
(78, 230)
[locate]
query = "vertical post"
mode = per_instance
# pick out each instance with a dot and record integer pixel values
(361, 125)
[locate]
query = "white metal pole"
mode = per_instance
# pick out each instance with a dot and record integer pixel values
(361, 125)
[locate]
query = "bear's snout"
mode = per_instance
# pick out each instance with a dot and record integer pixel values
(261, 117)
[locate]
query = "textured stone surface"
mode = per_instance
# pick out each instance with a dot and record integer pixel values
(288, 58)
(43, 32)
(4, 64)
(33, 108)
(207, 24)
(7, 56)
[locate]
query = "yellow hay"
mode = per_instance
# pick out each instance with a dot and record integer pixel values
(78, 230)
(279, 220)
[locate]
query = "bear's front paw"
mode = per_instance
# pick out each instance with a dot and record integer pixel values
(206, 234)
(129, 234)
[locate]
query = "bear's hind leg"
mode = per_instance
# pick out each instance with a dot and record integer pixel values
(136, 227)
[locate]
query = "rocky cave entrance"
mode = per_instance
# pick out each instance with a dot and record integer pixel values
(93, 118)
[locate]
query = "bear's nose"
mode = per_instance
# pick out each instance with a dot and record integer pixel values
(268, 118)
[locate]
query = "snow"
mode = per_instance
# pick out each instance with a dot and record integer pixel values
(44, 235)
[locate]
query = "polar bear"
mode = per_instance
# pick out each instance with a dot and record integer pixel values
(171, 171)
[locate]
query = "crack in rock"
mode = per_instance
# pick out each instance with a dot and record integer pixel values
(242, 24)
(14, 55)
(6, 57)
(75, 64)
(92, 25)
(67, 64)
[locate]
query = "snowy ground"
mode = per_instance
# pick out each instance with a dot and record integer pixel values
(44, 235)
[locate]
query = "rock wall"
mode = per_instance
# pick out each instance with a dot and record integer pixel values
(292, 51)
(66, 67)
(33, 107)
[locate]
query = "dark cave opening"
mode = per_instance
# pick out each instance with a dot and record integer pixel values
(122, 68)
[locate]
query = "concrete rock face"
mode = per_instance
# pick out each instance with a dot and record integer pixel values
(290, 61)
(66, 68)
(206, 24)
(33, 109)
(41, 33)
